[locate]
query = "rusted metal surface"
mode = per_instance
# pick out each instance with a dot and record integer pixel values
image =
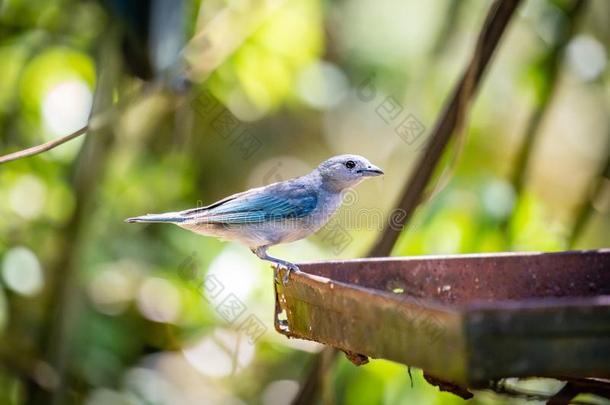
(466, 319)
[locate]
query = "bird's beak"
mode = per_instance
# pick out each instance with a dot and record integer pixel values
(371, 171)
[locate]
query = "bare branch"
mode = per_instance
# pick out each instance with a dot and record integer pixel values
(35, 150)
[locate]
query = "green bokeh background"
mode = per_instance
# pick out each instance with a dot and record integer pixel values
(136, 330)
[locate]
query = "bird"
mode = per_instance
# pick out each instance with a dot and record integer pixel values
(281, 212)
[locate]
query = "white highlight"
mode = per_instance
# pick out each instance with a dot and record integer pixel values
(27, 197)
(220, 354)
(159, 300)
(21, 271)
(587, 57)
(66, 107)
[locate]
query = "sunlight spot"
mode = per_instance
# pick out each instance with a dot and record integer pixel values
(21, 271)
(148, 385)
(27, 197)
(110, 291)
(159, 300)
(280, 392)
(220, 354)
(322, 85)
(498, 198)
(66, 107)
(587, 57)
(233, 268)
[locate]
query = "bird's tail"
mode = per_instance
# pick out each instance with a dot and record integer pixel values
(168, 217)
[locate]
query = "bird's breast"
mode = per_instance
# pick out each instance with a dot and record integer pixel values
(303, 227)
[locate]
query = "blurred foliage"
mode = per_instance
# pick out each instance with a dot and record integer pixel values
(291, 82)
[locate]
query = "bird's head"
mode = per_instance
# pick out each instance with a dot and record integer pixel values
(344, 171)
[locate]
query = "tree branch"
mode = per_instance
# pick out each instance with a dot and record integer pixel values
(35, 150)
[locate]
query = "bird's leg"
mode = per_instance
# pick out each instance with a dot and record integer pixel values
(261, 252)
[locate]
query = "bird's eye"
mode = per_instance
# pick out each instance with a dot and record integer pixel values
(350, 164)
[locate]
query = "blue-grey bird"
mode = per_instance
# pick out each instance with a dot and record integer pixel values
(278, 213)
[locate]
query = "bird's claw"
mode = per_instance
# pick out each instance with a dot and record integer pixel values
(289, 268)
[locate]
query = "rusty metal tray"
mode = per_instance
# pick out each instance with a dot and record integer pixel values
(467, 319)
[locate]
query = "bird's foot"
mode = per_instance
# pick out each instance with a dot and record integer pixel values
(290, 267)
(261, 252)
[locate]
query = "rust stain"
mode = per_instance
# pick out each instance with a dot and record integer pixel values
(443, 313)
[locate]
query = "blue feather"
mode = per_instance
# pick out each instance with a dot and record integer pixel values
(257, 206)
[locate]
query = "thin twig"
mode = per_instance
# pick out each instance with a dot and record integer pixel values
(35, 150)
(96, 121)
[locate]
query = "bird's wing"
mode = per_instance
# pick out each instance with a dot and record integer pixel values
(277, 202)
